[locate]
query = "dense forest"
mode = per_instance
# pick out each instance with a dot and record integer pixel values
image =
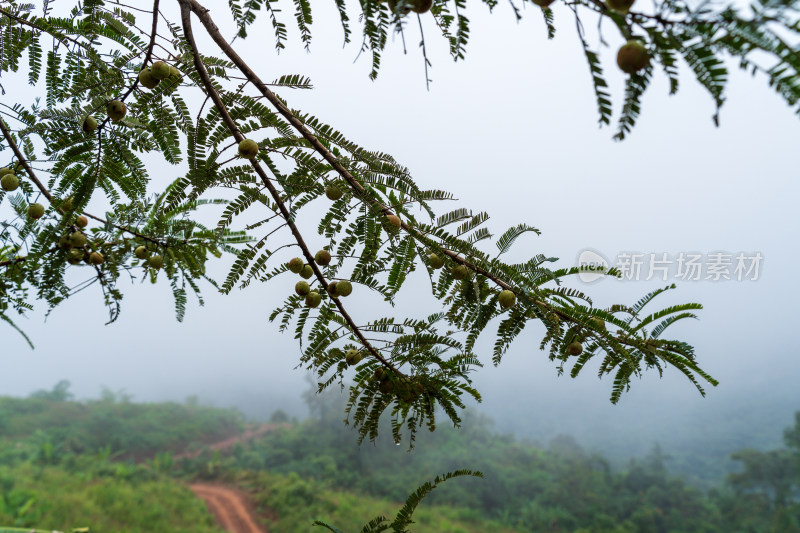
(114, 465)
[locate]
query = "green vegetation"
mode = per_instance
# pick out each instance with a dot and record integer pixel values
(55, 473)
(113, 422)
(526, 488)
(100, 495)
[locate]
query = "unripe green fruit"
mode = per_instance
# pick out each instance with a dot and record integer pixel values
(160, 70)
(393, 220)
(6, 170)
(632, 56)
(9, 182)
(64, 242)
(295, 265)
(386, 386)
(81, 221)
(459, 272)
(507, 299)
(435, 261)
(333, 192)
(313, 299)
(332, 287)
(248, 149)
(116, 110)
(174, 72)
(141, 252)
(623, 6)
(36, 211)
(147, 79)
(66, 205)
(575, 348)
(344, 288)
(307, 272)
(380, 373)
(598, 323)
(393, 7)
(323, 258)
(353, 357)
(421, 6)
(89, 124)
(77, 239)
(156, 262)
(74, 256)
(301, 288)
(543, 3)
(96, 258)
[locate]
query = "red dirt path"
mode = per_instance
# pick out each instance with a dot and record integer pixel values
(230, 507)
(227, 444)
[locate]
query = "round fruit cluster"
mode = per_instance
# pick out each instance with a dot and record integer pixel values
(405, 388)
(153, 261)
(149, 77)
(335, 289)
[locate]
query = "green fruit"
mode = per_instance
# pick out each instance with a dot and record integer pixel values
(632, 56)
(89, 124)
(402, 12)
(394, 220)
(313, 299)
(66, 205)
(160, 70)
(435, 261)
(598, 323)
(386, 386)
(81, 221)
(74, 256)
(36, 211)
(421, 6)
(459, 272)
(96, 258)
(353, 357)
(174, 72)
(306, 272)
(295, 265)
(156, 262)
(575, 348)
(147, 79)
(507, 299)
(77, 239)
(302, 288)
(344, 288)
(620, 5)
(543, 3)
(6, 170)
(248, 149)
(323, 258)
(9, 182)
(332, 286)
(116, 110)
(333, 192)
(64, 243)
(141, 252)
(380, 373)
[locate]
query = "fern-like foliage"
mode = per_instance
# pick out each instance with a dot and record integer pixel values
(403, 519)
(107, 218)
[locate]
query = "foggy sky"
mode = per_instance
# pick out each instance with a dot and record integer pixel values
(511, 130)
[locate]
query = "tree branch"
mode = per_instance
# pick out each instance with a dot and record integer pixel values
(46, 193)
(187, 7)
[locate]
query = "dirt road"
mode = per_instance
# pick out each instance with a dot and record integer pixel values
(227, 444)
(230, 507)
